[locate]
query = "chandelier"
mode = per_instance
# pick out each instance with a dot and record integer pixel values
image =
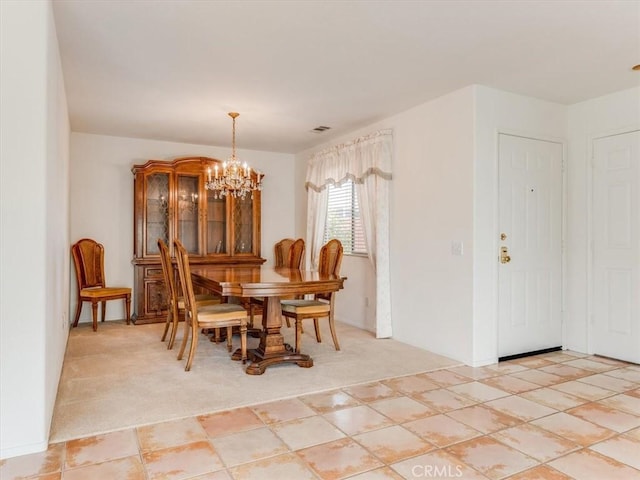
(235, 178)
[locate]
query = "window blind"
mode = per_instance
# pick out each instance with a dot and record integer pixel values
(343, 219)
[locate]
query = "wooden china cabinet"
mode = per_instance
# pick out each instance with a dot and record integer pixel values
(171, 201)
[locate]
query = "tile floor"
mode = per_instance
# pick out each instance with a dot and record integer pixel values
(560, 415)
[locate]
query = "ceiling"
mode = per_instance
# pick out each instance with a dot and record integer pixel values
(171, 70)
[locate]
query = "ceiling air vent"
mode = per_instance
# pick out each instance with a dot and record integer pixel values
(320, 129)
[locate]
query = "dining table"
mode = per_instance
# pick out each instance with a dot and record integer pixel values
(272, 284)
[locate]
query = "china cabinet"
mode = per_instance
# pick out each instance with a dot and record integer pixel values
(171, 201)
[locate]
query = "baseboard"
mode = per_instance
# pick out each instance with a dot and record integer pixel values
(23, 450)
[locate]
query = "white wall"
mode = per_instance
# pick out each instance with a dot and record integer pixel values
(101, 198)
(610, 114)
(57, 225)
(432, 206)
(499, 111)
(34, 225)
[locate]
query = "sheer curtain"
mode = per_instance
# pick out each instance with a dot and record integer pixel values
(367, 162)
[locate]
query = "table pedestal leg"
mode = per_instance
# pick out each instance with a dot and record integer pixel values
(272, 349)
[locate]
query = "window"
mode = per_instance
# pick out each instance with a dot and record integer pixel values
(343, 219)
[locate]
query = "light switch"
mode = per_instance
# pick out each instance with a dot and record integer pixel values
(457, 247)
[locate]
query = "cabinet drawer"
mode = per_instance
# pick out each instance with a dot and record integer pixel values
(153, 272)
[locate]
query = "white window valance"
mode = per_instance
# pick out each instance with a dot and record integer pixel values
(355, 161)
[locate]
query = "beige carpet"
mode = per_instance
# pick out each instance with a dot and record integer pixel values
(123, 376)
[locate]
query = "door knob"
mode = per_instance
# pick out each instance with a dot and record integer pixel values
(504, 255)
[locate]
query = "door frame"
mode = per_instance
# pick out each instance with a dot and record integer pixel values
(590, 226)
(563, 229)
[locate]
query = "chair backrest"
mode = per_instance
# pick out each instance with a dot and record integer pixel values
(281, 250)
(184, 272)
(330, 261)
(88, 259)
(296, 254)
(167, 272)
(330, 257)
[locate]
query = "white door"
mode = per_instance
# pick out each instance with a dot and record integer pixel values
(615, 303)
(530, 264)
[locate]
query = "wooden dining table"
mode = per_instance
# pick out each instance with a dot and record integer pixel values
(272, 284)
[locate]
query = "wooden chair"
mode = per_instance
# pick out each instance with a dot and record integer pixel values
(296, 254)
(281, 251)
(288, 253)
(322, 305)
(227, 315)
(88, 259)
(174, 300)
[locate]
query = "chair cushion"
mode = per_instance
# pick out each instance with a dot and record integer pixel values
(221, 312)
(97, 292)
(304, 306)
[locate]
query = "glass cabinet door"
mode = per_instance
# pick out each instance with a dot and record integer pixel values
(243, 225)
(216, 224)
(187, 212)
(157, 211)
